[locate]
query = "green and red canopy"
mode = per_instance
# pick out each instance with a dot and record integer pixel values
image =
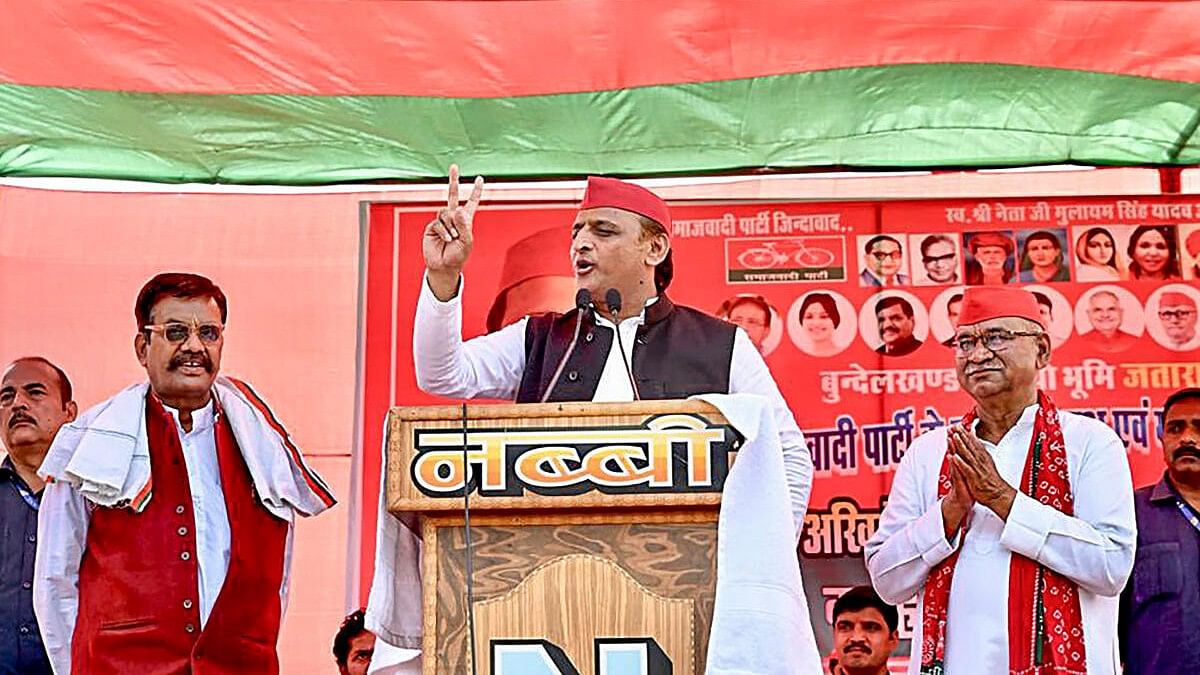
(321, 91)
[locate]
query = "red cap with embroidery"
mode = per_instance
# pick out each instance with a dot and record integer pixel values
(618, 194)
(981, 303)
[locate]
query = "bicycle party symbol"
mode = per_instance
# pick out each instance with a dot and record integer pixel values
(785, 259)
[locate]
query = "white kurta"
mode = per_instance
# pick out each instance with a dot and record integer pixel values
(1094, 548)
(491, 366)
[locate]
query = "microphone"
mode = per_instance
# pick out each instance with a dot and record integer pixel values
(583, 302)
(612, 298)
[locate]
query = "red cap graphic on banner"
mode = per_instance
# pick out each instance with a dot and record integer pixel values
(981, 303)
(618, 194)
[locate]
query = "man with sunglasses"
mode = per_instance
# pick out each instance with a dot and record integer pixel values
(165, 531)
(883, 258)
(1015, 527)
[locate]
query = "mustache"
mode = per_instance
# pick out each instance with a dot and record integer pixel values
(179, 360)
(19, 417)
(1186, 451)
(857, 646)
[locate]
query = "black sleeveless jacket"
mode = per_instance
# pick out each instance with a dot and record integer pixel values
(678, 352)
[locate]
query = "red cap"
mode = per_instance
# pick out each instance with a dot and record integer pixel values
(1174, 298)
(621, 195)
(1192, 244)
(541, 254)
(991, 239)
(981, 303)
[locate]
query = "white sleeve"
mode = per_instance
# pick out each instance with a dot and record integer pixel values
(489, 366)
(748, 374)
(62, 535)
(911, 538)
(1095, 547)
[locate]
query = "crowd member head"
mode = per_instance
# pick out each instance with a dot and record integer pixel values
(35, 400)
(752, 313)
(1042, 255)
(884, 256)
(1177, 312)
(354, 645)
(1181, 437)
(1097, 247)
(534, 280)
(1153, 253)
(820, 318)
(896, 322)
(998, 358)
(939, 255)
(181, 332)
(619, 240)
(865, 632)
(992, 259)
(1045, 307)
(1105, 313)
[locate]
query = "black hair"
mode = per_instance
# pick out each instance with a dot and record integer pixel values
(894, 301)
(1179, 396)
(864, 597)
(878, 238)
(352, 626)
(176, 285)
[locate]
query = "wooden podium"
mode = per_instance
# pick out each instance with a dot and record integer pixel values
(593, 532)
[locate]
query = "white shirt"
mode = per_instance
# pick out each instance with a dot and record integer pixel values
(491, 366)
(1094, 548)
(62, 536)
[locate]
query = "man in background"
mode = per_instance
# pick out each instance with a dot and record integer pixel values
(35, 400)
(1161, 602)
(354, 645)
(865, 633)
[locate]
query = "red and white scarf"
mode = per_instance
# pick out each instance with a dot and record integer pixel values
(1045, 623)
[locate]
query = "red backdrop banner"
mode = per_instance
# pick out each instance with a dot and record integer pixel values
(1123, 337)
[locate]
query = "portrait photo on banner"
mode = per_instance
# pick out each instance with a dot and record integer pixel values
(936, 258)
(1056, 311)
(755, 315)
(1171, 317)
(822, 323)
(1045, 255)
(1109, 318)
(991, 257)
(893, 323)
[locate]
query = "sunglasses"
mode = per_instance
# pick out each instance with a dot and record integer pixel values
(178, 333)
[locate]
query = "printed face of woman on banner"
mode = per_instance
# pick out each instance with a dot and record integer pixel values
(1096, 253)
(818, 323)
(1153, 253)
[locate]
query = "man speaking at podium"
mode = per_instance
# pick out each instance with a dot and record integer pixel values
(621, 256)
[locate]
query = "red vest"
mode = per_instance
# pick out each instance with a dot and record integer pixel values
(139, 605)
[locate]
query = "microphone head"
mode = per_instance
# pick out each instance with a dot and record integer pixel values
(583, 299)
(612, 298)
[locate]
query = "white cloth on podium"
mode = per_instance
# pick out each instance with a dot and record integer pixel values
(760, 621)
(394, 609)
